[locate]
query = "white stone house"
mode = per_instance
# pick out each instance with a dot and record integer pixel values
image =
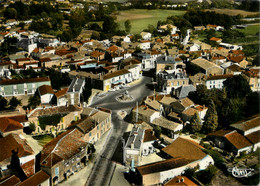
(46, 93)
(145, 44)
(146, 35)
(217, 81)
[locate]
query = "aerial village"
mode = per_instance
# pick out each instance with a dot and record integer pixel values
(168, 110)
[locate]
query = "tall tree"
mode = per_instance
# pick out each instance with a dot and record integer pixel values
(195, 123)
(211, 119)
(34, 101)
(14, 102)
(128, 26)
(237, 87)
(3, 103)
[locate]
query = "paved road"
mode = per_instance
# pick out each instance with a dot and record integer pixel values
(103, 169)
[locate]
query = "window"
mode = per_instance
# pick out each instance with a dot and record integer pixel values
(183, 82)
(89, 134)
(178, 83)
(98, 127)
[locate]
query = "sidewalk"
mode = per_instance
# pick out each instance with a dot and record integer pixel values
(80, 178)
(118, 178)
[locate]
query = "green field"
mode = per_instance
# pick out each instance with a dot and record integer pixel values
(251, 30)
(141, 18)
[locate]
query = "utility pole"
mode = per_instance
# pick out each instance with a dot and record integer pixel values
(136, 117)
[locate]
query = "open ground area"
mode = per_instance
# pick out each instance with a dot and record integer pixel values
(251, 29)
(233, 12)
(141, 18)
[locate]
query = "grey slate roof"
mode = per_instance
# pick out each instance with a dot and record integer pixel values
(136, 137)
(165, 60)
(184, 91)
(77, 84)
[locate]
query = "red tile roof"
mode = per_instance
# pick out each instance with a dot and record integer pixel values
(149, 135)
(162, 166)
(113, 48)
(3, 63)
(24, 59)
(14, 142)
(36, 50)
(45, 59)
(236, 59)
(221, 132)
(218, 58)
(254, 137)
(116, 73)
(209, 25)
(45, 89)
(216, 77)
(35, 179)
(62, 92)
(20, 81)
(248, 124)
(96, 54)
(19, 118)
(63, 147)
(12, 180)
(238, 140)
(64, 52)
(4, 33)
(7, 125)
(215, 39)
(252, 73)
(237, 52)
(28, 168)
(185, 149)
(180, 181)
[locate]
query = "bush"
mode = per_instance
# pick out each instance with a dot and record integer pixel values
(205, 176)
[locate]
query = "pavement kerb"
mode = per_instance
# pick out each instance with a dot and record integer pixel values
(100, 153)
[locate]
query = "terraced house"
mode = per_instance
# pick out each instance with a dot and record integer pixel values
(64, 155)
(17, 87)
(94, 124)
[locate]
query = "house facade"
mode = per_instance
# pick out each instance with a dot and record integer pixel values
(22, 86)
(217, 81)
(64, 155)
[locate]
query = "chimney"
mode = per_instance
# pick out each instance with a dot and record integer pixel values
(132, 145)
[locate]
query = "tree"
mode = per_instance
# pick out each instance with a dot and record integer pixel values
(87, 91)
(235, 83)
(109, 25)
(14, 102)
(252, 104)
(3, 103)
(195, 123)
(32, 126)
(206, 175)
(211, 119)
(10, 13)
(49, 120)
(157, 131)
(128, 26)
(34, 101)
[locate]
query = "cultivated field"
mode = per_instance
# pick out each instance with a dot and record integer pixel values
(233, 12)
(251, 29)
(141, 18)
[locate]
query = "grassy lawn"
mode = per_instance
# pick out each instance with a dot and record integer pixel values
(44, 139)
(251, 29)
(141, 18)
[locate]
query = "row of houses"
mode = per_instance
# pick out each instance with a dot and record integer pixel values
(62, 157)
